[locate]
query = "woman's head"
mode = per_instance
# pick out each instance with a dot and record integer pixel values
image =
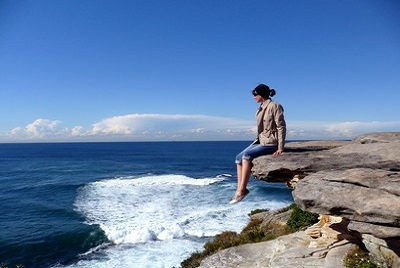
(264, 91)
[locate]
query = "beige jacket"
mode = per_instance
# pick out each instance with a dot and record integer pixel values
(271, 125)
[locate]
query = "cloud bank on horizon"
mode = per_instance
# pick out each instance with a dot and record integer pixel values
(181, 127)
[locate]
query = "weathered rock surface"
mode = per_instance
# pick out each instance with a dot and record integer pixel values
(357, 181)
(287, 251)
(374, 151)
(369, 198)
(319, 246)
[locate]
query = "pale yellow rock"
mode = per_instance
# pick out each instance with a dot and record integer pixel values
(293, 182)
(322, 233)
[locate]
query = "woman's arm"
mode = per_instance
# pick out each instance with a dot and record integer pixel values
(281, 128)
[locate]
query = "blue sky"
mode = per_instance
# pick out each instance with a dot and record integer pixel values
(96, 70)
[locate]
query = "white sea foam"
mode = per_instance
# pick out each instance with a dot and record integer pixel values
(160, 220)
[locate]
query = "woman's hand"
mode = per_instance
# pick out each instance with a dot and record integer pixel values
(278, 152)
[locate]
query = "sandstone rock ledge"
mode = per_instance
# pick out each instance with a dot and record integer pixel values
(353, 185)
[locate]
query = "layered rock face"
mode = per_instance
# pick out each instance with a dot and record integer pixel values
(353, 185)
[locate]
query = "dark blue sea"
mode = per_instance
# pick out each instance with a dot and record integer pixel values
(137, 204)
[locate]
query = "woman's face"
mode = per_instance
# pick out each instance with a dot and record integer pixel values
(258, 98)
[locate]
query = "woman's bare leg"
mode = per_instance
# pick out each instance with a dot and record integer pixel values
(243, 175)
(239, 175)
(245, 172)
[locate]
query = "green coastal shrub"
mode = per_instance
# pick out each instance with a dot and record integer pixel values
(220, 242)
(257, 211)
(193, 261)
(300, 219)
(358, 258)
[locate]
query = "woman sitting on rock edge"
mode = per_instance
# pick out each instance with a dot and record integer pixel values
(271, 134)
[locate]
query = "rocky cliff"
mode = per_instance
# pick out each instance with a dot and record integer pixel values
(355, 188)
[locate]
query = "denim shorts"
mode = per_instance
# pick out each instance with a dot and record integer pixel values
(255, 150)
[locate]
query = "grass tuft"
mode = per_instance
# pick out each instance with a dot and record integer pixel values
(300, 219)
(256, 211)
(358, 258)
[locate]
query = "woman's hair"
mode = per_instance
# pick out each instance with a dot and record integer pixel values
(264, 91)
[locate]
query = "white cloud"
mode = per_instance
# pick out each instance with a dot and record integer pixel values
(153, 127)
(167, 127)
(337, 130)
(77, 131)
(140, 127)
(40, 128)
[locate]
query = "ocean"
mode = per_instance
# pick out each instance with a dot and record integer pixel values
(133, 204)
